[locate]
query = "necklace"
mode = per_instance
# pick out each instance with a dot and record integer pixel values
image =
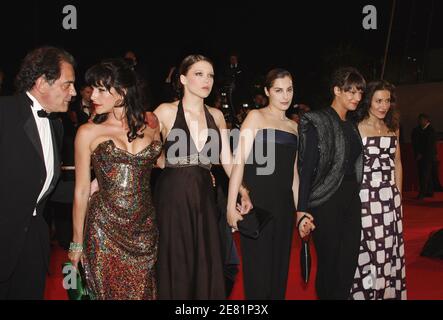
(282, 118)
(373, 125)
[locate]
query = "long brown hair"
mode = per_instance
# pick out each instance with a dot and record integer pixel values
(118, 74)
(392, 117)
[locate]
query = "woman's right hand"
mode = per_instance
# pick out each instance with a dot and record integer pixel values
(305, 226)
(75, 257)
(94, 187)
(233, 216)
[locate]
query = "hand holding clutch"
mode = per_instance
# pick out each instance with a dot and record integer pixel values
(253, 223)
(305, 253)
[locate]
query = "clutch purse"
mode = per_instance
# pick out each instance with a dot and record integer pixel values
(76, 289)
(253, 222)
(305, 259)
(305, 255)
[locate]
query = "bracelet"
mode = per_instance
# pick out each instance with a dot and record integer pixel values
(75, 247)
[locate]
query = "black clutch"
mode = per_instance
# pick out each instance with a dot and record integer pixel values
(253, 222)
(305, 259)
(305, 254)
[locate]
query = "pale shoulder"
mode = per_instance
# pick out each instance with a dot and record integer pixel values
(166, 108)
(216, 113)
(255, 114)
(87, 128)
(86, 133)
(253, 120)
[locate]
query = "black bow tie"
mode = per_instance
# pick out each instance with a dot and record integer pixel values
(43, 114)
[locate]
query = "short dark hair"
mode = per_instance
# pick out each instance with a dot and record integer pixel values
(346, 78)
(423, 116)
(43, 61)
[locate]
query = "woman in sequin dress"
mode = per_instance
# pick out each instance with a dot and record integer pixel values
(190, 263)
(380, 272)
(117, 226)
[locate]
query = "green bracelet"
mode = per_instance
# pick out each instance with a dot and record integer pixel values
(75, 247)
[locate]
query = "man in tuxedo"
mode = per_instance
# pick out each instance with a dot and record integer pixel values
(30, 137)
(425, 150)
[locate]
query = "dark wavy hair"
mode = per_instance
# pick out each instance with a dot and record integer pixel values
(392, 117)
(346, 78)
(186, 64)
(274, 74)
(43, 61)
(118, 74)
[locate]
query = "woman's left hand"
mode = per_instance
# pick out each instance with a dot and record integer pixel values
(246, 203)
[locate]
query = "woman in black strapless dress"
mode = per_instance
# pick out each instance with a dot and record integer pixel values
(270, 174)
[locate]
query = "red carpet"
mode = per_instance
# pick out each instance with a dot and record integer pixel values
(424, 276)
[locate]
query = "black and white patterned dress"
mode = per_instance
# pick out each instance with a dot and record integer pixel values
(381, 264)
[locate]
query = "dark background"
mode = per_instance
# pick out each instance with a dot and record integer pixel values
(309, 38)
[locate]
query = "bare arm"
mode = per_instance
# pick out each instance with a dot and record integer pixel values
(247, 135)
(295, 182)
(82, 182)
(398, 167)
(161, 161)
(154, 123)
(226, 158)
(81, 192)
(161, 112)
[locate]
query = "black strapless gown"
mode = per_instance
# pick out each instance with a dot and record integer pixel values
(266, 259)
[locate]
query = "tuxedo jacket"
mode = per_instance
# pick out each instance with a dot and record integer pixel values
(22, 176)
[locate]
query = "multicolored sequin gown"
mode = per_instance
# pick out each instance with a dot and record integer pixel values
(381, 263)
(121, 234)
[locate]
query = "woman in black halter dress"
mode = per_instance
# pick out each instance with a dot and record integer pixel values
(190, 264)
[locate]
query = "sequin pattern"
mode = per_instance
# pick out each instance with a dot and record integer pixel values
(121, 234)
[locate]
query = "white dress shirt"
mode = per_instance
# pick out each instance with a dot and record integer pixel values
(44, 131)
(86, 107)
